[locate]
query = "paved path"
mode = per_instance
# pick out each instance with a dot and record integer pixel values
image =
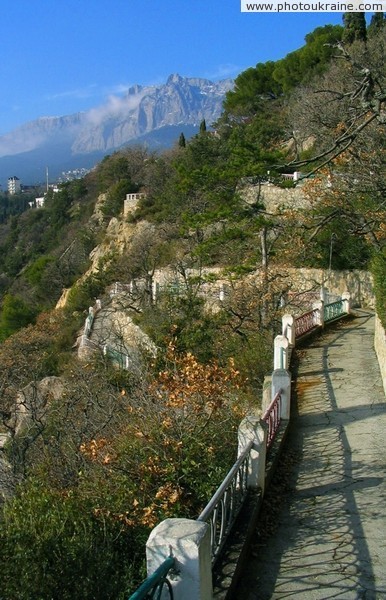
(330, 520)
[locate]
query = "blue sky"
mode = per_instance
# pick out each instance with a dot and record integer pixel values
(63, 57)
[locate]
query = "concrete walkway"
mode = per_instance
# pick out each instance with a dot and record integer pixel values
(323, 529)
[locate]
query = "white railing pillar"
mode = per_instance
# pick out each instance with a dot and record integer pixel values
(266, 393)
(253, 429)
(281, 354)
(323, 293)
(281, 380)
(319, 317)
(346, 299)
(288, 329)
(154, 291)
(188, 542)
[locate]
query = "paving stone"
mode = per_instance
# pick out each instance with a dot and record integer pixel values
(328, 535)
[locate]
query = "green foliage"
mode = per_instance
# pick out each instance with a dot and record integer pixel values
(15, 314)
(252, 355)
(336, 242)
(310, 60)
(200, 181)
(58, 205)
(35, 272)
(251, 88)
(228, 246)
(125, 165)
(83, 294)
(179, 314)
(43, 250)
(354, 27)
(268, 81)
(105, 465)
(14, 205)
(378, 268)
(116, 196)
(54, 544)
(117, 453)
(377, 23)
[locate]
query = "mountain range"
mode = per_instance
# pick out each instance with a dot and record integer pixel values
(153, 115)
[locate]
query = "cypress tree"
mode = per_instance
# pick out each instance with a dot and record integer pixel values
(377, 23)
(203, 126)
(182, 141)
(354, 27)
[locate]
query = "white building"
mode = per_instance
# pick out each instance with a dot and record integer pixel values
(14, 185)
(131, 202)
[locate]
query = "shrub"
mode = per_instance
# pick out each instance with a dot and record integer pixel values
(15, 314)
(379, 274)
(57, 545)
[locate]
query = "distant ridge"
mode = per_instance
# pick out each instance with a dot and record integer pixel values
(154, 115)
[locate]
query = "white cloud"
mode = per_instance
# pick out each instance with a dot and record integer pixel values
(16, 142)
(115, 106)
(224, 71)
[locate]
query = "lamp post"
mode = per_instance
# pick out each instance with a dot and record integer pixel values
(333, 235)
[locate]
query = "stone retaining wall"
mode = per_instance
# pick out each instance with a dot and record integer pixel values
(274, 197)
(380, 348)
(359, 283)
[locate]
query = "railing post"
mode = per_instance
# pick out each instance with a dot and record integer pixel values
(154, 291)
(281, 380)
(319, 307)
(323, 293)
(280, 356)
(253, 429)
(266, 393)
(288, 329)
(346, 300)
(188, 542)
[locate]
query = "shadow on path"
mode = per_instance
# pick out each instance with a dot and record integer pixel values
(322, 529)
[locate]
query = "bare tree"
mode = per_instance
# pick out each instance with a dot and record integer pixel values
(336, 109)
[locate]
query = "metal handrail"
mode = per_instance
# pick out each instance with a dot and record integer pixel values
(115, 355)
(333, 310)
(306, 322)
(272, 417)
(154, 585)
(224, 506)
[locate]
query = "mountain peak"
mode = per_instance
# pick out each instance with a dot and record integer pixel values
(174, 78)
(144, 110)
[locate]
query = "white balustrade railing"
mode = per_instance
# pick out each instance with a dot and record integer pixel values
(223, 508)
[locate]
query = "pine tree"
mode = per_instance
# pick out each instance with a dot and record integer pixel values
(354, 27)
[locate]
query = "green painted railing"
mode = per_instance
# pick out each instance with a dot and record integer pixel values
(154, 585)
(119, 358)
(333, 310)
